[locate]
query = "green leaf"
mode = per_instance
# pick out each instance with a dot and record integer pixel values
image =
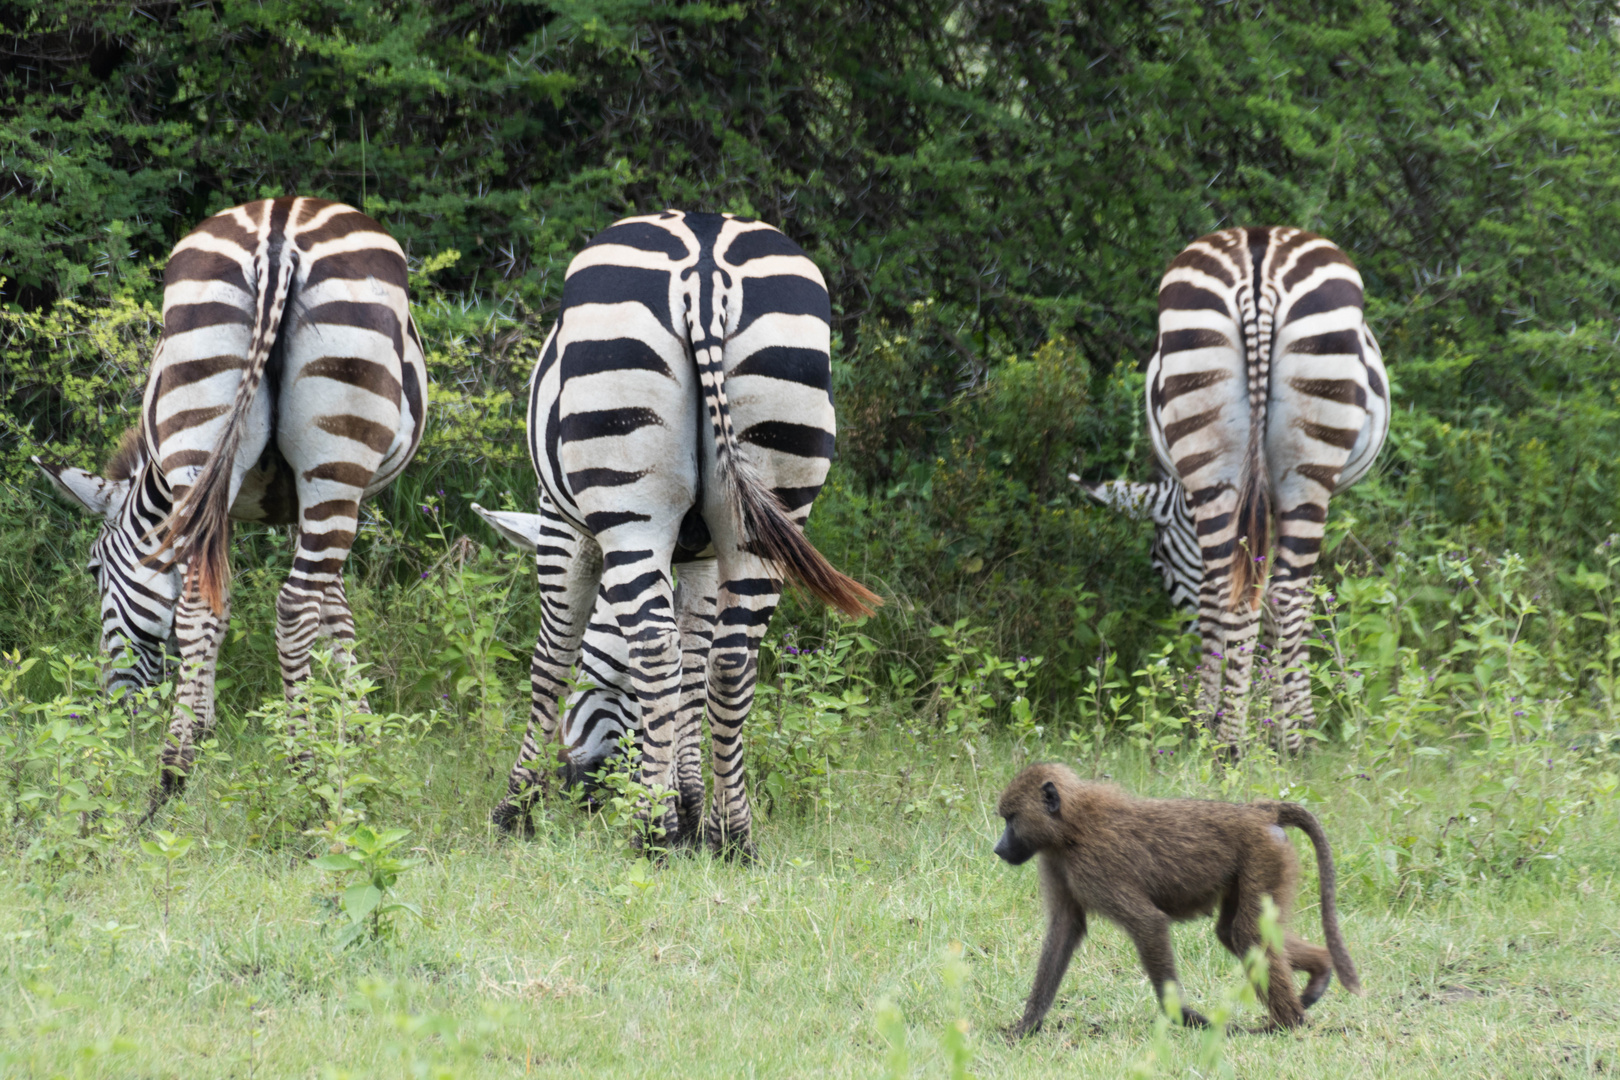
(336, 863)
(360, 900)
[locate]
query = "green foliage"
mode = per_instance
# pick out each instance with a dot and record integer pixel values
(806, 718)
(369, 856)
(631, 808)
(166, 850)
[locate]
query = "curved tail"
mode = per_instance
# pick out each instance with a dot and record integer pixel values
(198, 530)
(769, 532)
(1302, 819)
(1253, 540)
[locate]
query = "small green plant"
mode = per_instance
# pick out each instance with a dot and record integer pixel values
(808, 716)
(166, 850)
(370, 867)
(633, 811)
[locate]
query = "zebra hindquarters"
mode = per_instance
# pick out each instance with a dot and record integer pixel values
(568, 567)
(1200, 417)
(1318, 414)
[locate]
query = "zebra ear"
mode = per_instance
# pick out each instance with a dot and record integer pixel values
(87, 489)
(1132, 500)
(522, 530)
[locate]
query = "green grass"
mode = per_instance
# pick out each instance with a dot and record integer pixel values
(534, 961)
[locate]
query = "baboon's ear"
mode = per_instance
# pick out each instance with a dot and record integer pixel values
(1054, 804)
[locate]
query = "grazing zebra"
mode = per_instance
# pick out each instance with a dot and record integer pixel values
(305, 299)
(1266, 395)
(603, 706)
(680, 408)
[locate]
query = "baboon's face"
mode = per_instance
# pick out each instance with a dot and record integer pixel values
(1031, 813)
(1011, 846)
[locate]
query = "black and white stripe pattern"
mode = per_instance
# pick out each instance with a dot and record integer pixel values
(680, 409)
(1267, 394)
(604, 705)
(289, 385)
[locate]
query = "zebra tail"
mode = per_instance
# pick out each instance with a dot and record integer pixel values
(768, 530)
(199, 528)
(1252, 544)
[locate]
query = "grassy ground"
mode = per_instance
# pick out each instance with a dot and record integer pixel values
(551, 957)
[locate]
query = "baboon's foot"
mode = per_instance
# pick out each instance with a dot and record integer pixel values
(1316, 988)
(1193, 1018)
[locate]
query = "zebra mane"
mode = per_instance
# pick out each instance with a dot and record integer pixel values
(126, 457)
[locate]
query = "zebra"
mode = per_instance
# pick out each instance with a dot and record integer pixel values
(603, 707)
(1266, 395)
(307, 300)
(680, 410)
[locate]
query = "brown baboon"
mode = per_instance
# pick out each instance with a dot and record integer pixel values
(1145, 863)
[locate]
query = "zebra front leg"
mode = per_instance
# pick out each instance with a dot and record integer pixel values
(200, 633)
(695, 596)
(569, 569)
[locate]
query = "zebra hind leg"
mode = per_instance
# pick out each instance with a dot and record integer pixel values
(1292, 695)
(695, 614)
(200, 633)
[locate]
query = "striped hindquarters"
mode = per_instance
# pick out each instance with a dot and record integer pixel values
(1260, 382)
(238, 289)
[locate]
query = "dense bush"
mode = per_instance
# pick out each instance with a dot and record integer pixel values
(991, 188)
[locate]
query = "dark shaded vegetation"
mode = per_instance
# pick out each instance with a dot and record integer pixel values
(992, 190)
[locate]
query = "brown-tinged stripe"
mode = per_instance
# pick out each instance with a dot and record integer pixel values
(339, 226)
(379, 263)
(183, 318)
(226, 227)
(326, 541)
(1344, 391)
(185, 372)
(1180, 296)
(355, 371)
(1310, 262)
(1325, 475)
(1343, 438)
(1336, 342)
(188, 419)
(181, 459)
(342, 472)
(1174, 341)
(1331, 295)
(1205, 263)
(374, 436)
(309, 209)
(1193, 462)
(197, 264)
(1177, 385)
(331, 508)
(1174, 433)
(1314, 512)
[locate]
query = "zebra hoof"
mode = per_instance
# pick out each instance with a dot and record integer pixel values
(513, 819)
(731, 845)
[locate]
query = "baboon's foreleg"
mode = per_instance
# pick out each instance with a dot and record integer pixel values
(1063, 934)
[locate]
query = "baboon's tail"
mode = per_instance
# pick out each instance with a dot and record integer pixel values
(198, 530)
(1302, 819)
(770, 533)
(1253, 539)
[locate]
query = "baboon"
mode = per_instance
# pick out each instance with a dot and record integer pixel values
(1145, 863)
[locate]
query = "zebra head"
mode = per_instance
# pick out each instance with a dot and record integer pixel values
(1176, 554)
(137, 600)
(594, 716)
